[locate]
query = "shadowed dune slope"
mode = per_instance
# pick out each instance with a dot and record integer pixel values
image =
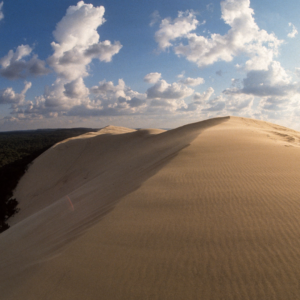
(209, 210)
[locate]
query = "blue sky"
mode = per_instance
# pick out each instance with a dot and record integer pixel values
(135, 63)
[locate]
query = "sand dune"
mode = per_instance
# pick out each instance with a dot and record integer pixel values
(209, 210)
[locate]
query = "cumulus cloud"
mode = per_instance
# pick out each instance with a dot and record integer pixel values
(199, 101)
(61, 96)
(152, 77)
(204, 97)
(271, 82)
(239, 103)
(8, 95)
(173, 29)
(274, 104)
(167, 98)
(119, 99)
(76, 89)
(215, 105)
(166, 106)
(243, 37)
(56, 101)
(110, 99)
(275, 92)
(14, 66)
(192, 81)
(104, 99)
(1, 12)
(294, 31)
(104, 51)
(164, 90)
(78, 42)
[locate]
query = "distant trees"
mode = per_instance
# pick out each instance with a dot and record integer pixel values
(17, 150)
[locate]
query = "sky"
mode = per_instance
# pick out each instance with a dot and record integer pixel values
(147, 64)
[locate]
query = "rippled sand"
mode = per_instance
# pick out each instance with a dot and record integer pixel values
(210, 210)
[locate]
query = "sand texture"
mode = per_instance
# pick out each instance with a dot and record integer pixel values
(210, 210)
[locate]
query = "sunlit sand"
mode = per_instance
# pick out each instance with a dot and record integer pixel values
(210, 210)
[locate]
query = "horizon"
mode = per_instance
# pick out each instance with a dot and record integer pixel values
(86, 64)
(142, 128)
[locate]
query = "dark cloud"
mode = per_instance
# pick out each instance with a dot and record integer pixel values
(23, 69)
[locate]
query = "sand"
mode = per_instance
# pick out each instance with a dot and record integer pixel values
(209, 210)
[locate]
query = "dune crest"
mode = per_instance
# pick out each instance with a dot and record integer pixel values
(208, 210)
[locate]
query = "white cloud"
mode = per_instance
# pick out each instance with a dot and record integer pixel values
(57, 100)
(181, 75)
(13, 65)
(239, 103)
(112, 95)
(215, 105)
(76, 89)
(294, 31)
(166, 106)
(171, 30)
(77, 41)
(167, 98)
(1, 12)
(77, 44)
(109, 90)
(110, 99)
(277, 95)
(22, 51)
(271, 82)
(62, 96)
(104, 51)
(199, 101)
(274, 104)
(152, 77)
(204, 97)
(164, 90)
(155, 18)
(8, 95)
(244, 37)
(192, 81)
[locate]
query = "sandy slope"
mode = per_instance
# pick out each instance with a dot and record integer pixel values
(210, 210)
